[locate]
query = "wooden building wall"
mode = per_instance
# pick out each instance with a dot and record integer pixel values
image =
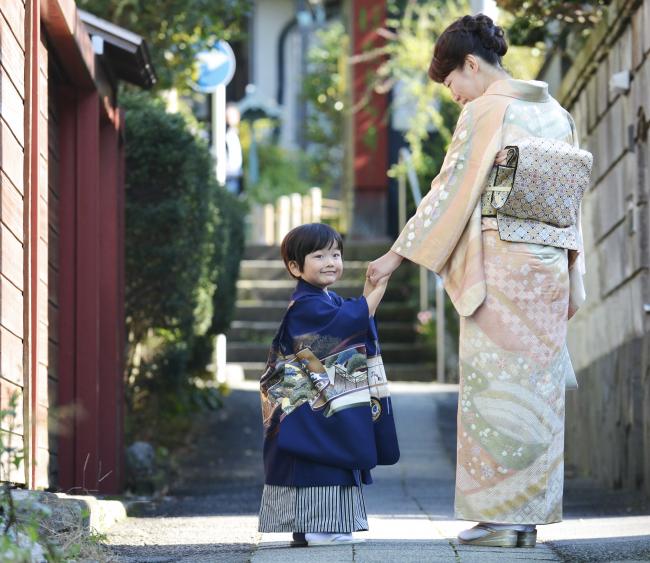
(12, 226)
(53, 261)
(61, 251)
(44, 320)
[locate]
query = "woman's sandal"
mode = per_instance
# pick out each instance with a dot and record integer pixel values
(502, 538)
(527, 539)
(494, 538)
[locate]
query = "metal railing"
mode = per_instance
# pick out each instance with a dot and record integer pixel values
(425, 276)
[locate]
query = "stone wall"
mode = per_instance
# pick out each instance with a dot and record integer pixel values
(608, 418)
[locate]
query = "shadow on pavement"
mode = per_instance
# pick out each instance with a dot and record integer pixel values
(232, 552)
(626, 548)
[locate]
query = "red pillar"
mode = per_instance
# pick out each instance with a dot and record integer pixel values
(87, 297)
(370, 126)
(121, 281)
(67, 106)
(91, 294)
(110, 327)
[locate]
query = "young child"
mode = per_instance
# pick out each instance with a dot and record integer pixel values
(326, 409)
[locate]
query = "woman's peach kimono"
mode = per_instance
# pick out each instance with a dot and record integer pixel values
(514, 300)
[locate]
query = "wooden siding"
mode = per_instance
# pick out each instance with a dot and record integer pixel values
(12, 141)
(42, 410)
(53, 265)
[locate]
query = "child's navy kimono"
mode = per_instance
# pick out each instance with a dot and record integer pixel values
(327, 415)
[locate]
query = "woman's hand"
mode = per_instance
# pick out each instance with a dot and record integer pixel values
(501, 157)
(383, 267)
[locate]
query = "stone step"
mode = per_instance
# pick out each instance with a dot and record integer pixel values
(272, 311)
(395, 372)
(391, 352)
(351, 251)
(274, 290)
(263, 331)
(275, 270)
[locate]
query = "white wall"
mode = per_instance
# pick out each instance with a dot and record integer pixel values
(269, 19)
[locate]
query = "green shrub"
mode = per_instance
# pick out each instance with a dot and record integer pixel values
(184, 241)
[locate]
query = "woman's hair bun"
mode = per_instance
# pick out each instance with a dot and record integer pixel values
(490, 35)
(469, 35)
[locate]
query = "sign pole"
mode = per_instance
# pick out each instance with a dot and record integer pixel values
(219, 132)
(216, 69)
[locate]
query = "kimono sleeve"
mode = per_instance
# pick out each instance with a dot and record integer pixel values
(320, 319)
(577, 268)
(431, 235)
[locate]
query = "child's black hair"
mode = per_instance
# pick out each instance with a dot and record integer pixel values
(306, 239)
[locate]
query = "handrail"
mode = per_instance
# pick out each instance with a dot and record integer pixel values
(406, 159)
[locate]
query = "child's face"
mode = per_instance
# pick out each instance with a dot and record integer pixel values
(322, 267)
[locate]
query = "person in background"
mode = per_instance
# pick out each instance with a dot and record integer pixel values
(234, 158)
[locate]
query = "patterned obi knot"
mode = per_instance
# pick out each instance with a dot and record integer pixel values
(536, 195)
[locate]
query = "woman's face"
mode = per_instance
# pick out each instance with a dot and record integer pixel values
(465, 83)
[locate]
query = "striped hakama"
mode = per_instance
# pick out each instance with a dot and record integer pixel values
(312, 509)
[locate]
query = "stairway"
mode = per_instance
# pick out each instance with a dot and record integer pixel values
(263, 293)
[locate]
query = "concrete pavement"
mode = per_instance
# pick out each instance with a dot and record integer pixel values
(212, 516)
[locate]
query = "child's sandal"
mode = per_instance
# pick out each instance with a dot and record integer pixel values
(299, 540)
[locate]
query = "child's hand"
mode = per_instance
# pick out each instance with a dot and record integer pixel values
(370, 287)
(374, 293)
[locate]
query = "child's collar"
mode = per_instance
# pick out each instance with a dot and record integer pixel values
(305, 288)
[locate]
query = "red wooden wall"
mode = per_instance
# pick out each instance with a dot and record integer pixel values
(370, 122)
(91, 298)
(61, 251)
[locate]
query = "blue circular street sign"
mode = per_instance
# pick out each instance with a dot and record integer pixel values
(216, 67)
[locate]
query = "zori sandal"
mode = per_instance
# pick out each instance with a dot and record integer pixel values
(527, 539)
(492, 537)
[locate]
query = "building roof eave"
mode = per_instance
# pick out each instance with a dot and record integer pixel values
(127, 52)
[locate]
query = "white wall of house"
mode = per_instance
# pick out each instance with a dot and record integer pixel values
(268, 20)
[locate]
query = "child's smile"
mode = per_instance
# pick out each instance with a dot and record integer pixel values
(323, 267)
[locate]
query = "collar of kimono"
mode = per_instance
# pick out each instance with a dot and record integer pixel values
(304, 288)
(529, 90)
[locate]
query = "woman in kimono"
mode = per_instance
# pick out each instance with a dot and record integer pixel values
(514, 298)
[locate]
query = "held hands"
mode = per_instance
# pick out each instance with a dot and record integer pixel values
(383, 267)
(374, 292)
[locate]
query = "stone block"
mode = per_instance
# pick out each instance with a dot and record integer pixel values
(640, 88)
(602, 87)
(645, 9)
(620, 253)
(592, 103)
(609, 202)
(609, 409)
(616, 122)
(59, 512)
(579, 112)
(624, 46)
(637, 39)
